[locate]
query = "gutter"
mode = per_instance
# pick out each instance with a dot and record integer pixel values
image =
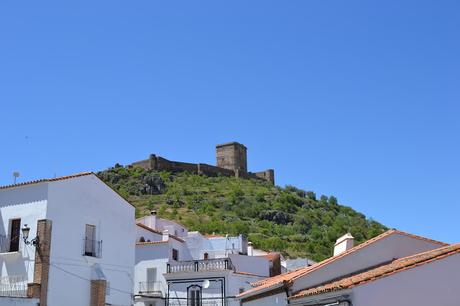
(325, 300)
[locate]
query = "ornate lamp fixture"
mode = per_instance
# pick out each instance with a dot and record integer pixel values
(25, 235)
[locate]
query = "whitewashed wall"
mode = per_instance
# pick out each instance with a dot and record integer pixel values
(71, 205)
(279, 299)
(11, 301)
(148, 235)
(436, 283)
(251, 264)
(28, 203)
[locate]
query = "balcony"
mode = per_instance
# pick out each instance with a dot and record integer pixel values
(201, 302)
(14, 286)
(219, 264)
(8, 245)
(154, 289)
(92, 248)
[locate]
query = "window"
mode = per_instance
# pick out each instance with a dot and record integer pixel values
(175, 254)
(90, 240)
(15, 231)
(151, 279)
(194, 296)
(206, 256)
(142, 239)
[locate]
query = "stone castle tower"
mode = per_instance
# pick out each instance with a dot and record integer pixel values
(232, 156)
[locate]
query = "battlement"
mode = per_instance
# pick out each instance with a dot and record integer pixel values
(231, 161)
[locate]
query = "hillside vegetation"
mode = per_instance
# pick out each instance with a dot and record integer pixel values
(290, 220)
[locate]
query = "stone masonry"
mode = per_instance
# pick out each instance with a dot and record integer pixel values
(231, 161)
(39, 288)
(98, 288)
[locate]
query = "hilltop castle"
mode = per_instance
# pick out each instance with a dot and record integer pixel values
(231, 161)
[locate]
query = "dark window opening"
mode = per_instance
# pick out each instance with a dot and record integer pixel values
(15, 235)
(194, 296)
(175, 254)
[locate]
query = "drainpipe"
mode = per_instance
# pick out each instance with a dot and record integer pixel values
(286, 290)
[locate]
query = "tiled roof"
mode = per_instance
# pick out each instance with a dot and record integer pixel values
(210, 236)
(158, 232)
(394, 267)
(46, 180)
(293, 275)
(247, 273)
(148, 228)
(271, 256)
(61, 178)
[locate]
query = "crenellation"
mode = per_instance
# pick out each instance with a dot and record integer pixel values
(231, 160)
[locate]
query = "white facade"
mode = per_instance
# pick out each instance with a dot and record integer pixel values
(433, 283)
(383, 249)
(72, 204)
(168, 267)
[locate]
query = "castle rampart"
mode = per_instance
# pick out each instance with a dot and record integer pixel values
(231, 161)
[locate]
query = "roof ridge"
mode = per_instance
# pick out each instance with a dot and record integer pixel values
(46, 180)
(420, 237)
(276, 280)
(453, 246)
(396, 266)
(368, 242)
(148, 228)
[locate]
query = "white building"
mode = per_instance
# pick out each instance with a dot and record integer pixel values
(193, 269)
(425, 279)
(84, 254)
(385, 253)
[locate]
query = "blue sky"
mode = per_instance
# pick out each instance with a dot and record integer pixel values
(357, 99)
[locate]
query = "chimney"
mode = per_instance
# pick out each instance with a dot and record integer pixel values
(250, 249)
(165, 235)
(151, 221)
(343, 244)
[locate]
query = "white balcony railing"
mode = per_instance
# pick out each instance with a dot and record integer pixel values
(151, 288)
(14, 285)
(201, 302)
(92, 248)
(219, 264)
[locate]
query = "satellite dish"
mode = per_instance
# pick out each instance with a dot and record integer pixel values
(206, 283)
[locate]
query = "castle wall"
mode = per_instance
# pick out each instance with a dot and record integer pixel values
(268, 175)
(231, 161)
(214, 171)
(142, 163)
(162, 164)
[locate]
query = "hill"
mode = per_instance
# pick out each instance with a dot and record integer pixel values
(290, 220)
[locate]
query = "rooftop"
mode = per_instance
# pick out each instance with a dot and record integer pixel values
(46, 180)
(394, 267)
(289, 277)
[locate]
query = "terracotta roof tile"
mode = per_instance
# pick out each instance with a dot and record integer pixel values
(394, 267)
(158, 232)
(61, 178)
(289, 277)
(148, 228)
(46, 180)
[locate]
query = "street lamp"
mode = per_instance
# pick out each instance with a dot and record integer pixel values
(25, 235)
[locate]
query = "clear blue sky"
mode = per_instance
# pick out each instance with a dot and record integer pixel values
(357, 99)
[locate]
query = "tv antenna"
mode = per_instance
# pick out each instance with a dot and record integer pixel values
(15, 175)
